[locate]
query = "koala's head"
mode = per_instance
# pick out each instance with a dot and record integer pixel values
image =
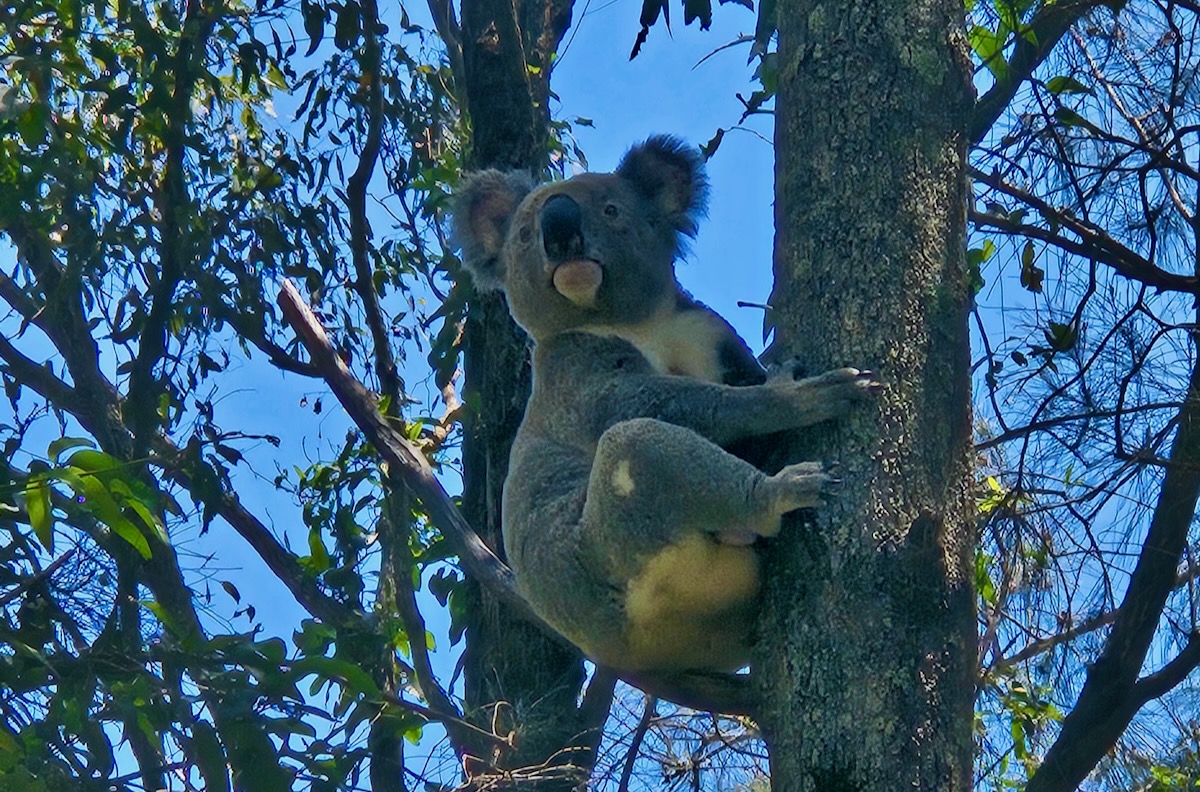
(596, 249)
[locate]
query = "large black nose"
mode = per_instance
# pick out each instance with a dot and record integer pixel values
(562, 228)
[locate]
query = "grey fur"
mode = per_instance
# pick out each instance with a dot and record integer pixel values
(624, 519)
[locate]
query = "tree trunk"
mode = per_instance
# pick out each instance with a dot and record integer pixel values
(868, 648)
(516, 677)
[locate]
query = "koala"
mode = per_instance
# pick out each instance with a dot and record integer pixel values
(628, 525)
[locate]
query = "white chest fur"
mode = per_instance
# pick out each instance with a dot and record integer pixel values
(686, 343)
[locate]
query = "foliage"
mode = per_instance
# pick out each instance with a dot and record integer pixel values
(163, 167)
(1085, 225)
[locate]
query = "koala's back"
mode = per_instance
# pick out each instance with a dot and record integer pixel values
(684, 604)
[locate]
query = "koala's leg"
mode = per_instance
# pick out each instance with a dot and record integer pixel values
(662, 503)
(654, 482)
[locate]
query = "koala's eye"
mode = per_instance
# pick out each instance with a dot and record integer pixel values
(611, 210)
(526, 233)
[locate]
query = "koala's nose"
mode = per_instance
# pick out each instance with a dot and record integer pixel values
(562, 228)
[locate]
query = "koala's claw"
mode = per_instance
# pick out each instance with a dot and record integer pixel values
(805, 485)
(863, 382)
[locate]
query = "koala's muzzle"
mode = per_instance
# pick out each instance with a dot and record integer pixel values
(562, 228)
(575, 277)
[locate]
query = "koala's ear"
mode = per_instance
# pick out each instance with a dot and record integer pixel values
(671, 174)
(481, 210)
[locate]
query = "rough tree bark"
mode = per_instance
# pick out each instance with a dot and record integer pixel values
(867, 662)
(516, 677)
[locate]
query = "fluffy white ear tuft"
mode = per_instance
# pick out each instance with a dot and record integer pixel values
(671, 174)
(481, 211)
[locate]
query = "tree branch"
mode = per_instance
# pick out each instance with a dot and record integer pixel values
(635, 743)
(450, 33)
(41, 379)
(1033, 45)
(1166, 678)
(593, 712)
(397, 593)
(1100, 621)
(98, 418)
(356, 201)
(1022, 432)
(174, 245)
(35, 578)
(279, 559)
(1094, 242)
(1110, 697)
(407, 463)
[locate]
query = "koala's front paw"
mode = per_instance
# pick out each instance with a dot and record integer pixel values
(803, 486)
(856, 383)
(832, 394)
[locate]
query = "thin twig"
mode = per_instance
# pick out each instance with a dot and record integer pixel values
(35, 579)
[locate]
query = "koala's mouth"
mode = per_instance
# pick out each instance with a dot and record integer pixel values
(578, 280)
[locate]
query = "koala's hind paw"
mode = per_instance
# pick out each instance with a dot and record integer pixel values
(805, 485)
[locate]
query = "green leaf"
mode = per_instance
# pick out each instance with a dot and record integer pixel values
(210, 759)
(130, 533)
(314, 25)
(92, 461)
(354, 678)
(231, 590)
(983, 581)
(96, 499)
(1066, 85)
(348, 26)
(989, 46)
(1061, 337)
(37, 505)
(66, 443)
(1068, 117)
(1031, 274)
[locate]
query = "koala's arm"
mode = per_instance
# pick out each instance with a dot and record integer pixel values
(605, 381)
(725, 414)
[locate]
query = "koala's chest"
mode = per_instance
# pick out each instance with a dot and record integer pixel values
(686, 343)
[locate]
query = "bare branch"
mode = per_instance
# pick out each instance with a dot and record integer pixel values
(1166, 678)
(448, 30)
(1100, 621)
(1110, 698)
(727, 693)
(1094, 242)
(593, 712)
(36, 578)
(397, 594)
(281, 561)
(1021, 432)
(635, 743)
(356, 201)
(174, 245)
